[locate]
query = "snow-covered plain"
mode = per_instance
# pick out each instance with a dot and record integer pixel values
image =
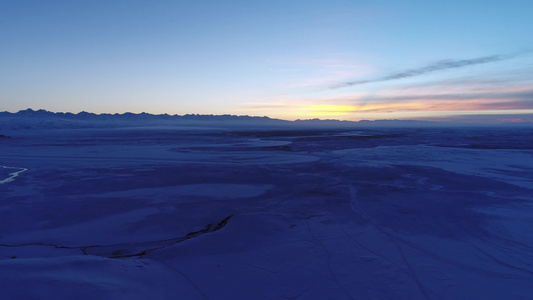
(198, 213)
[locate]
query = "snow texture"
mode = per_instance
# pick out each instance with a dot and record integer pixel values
(282, 213)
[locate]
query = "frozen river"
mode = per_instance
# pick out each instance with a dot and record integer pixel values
(12, 174)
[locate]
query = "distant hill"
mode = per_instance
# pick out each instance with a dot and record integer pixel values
(43, 119)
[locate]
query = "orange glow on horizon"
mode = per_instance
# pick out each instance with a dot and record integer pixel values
(391, 104)
(458, 105)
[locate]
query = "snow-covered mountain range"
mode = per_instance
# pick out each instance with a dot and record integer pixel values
(43, 119)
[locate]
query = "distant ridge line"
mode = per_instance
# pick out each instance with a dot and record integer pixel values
(42, 113)
(203, 117)
(44, 119)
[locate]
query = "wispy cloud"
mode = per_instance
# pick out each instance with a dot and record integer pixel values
(488, 118)
(443, 105)
(504, 99)
(457, 96)
(468, 101)
(517, 96)
(439, 66)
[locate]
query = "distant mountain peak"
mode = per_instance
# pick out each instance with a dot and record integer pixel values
(43, 119)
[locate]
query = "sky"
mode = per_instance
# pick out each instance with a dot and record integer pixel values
(464, 61)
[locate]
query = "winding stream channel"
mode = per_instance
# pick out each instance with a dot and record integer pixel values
(12, 175)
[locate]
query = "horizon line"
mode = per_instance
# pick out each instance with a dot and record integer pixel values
(442, 120)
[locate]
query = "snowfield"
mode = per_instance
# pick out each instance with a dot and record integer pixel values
(228, 213)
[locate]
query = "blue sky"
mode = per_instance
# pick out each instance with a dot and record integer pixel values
(348, 60)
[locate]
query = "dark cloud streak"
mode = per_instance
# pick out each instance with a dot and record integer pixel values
(439, 66)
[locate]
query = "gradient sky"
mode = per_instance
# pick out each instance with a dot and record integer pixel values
(468, 60)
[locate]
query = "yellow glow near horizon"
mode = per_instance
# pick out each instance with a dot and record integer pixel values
(350, 109)
(328, 110)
